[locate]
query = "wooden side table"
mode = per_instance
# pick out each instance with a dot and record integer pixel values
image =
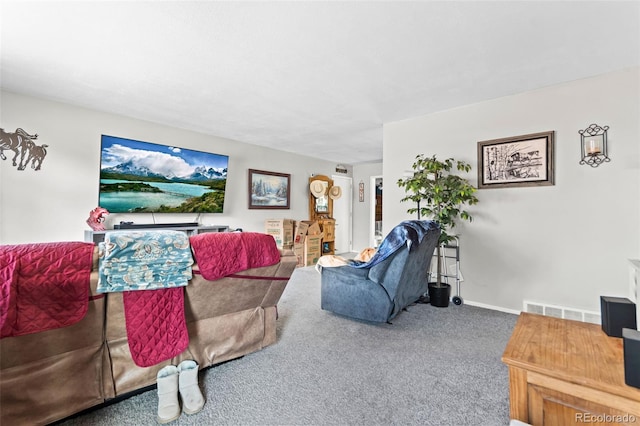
(564, 372)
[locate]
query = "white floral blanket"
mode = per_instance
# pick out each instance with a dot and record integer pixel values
(144, 260)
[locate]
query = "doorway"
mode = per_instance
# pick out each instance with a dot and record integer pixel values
(342, 213)
(375, 232)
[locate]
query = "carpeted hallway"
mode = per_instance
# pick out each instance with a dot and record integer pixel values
(432, 366)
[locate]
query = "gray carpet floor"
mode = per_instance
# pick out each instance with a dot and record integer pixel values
(431, 366)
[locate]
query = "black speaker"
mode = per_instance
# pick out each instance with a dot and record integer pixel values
(617, 313)
(631, 346)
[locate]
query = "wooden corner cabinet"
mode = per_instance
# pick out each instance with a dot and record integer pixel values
(328, 227)
(321, 211)
(564, 372)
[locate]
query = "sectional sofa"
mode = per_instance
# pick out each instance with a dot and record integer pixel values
(49, 375)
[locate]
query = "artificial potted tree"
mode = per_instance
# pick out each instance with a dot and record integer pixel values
(441, 195)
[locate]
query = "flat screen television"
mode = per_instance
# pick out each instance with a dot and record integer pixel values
(143, 177)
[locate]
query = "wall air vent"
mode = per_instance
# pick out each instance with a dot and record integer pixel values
(561, 312)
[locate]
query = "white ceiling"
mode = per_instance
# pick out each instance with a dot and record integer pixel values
(318, 78)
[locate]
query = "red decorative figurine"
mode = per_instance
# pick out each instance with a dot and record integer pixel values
(96, 218)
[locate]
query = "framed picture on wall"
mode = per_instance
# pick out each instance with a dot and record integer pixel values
(269, 190)
(525, 160)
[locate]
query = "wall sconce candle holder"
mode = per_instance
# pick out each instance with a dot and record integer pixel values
(593, 145)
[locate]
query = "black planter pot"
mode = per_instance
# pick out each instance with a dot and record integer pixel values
(439, 296)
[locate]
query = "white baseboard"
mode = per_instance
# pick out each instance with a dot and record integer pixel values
(495, 308)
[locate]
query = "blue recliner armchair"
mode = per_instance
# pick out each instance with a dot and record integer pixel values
(395, 277)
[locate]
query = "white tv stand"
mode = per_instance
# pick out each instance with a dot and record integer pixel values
(98, 236)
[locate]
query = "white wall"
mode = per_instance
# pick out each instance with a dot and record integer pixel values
(52, 204)
(565, 244)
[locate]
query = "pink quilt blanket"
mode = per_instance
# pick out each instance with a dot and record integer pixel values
(156, 324)
(224, 253)
(43, 286)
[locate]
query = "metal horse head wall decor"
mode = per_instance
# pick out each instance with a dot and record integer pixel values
(23, 145)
